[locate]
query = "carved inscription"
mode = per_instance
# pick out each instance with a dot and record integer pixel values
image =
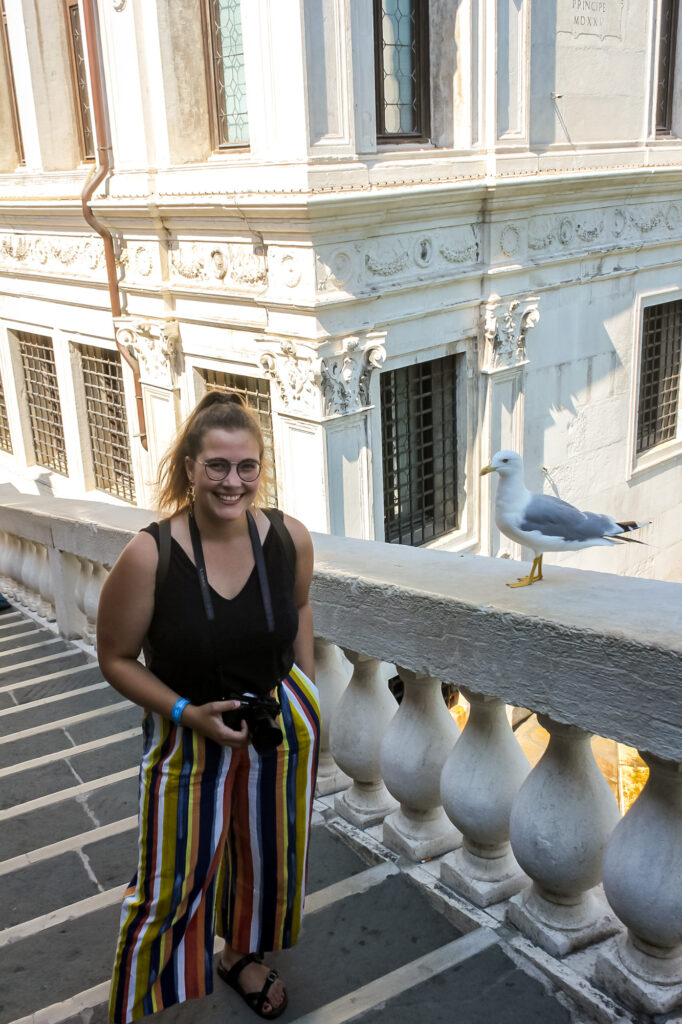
(591, 17)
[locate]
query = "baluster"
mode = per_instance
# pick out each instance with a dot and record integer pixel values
(13, 568)
(357, 729)
(413, 752)
(559, 825)
(32, 575)
(23, 588)
(480, 780)
(85, 568)
(91, 601)
(45, 588)
(5, 551)
(332, 672)
(643, 884)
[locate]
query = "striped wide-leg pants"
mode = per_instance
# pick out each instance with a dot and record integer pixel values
(223, 845)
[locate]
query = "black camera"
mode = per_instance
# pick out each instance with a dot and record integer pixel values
(260, 715)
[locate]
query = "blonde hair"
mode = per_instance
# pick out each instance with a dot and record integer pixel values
(217, 410)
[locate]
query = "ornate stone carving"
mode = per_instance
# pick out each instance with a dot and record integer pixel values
(467, 252)
(346, 377)
(80, 256)
(225, 264)
(589, 232)
(294, 372)
(119, 5)
(645, 223)
(541, 233)
(155, 345)
(506, 326)
(510, 240)
(387, 268)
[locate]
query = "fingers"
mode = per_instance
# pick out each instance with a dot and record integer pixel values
(218, 706)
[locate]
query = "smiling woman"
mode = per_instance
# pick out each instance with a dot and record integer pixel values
(231, 725)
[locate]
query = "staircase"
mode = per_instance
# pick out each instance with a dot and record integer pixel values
(380, 941)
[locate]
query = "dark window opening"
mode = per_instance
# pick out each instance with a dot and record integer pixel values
(401, 66)
(107, 421)
(666, 66)
(42, 396)
(227, 78)
(5, 436)
(659, 375)
(16, 125)
(419, 451)
(80, 81)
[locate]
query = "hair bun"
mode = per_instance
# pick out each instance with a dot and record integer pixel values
(219, 398)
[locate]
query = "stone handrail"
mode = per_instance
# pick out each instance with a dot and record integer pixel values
(582, 651)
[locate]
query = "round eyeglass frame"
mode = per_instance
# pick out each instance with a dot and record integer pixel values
(249, 479)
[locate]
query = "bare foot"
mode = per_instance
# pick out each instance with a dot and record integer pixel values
(252, 978)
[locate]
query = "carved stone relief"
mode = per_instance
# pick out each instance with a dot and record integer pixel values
(294, 370)
(50, 254)
(217, 265)
(346, 376)
(360, 266)
(505, 327)
(156, 346)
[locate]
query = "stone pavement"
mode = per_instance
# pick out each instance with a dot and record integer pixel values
(382, 940)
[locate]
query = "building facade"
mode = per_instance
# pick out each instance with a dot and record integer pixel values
(410, 232)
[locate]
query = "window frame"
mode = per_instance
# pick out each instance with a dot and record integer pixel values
(34, 435)
(665, 451)
(86, 158)
(14, 109)
(422, 78)
(454, 467)
(210, 57)
(664, 128)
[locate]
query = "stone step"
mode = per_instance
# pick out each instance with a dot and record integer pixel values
(63, 770)
(51, 682)
(38, 664)
(58, 818)
(37, 714)
(31, 648)
(67, 733)
(23, 638)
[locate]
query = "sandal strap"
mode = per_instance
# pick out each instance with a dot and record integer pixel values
(261, 997)
(232, 975)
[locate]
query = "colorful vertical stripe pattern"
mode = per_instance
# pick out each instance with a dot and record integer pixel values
(223, 841)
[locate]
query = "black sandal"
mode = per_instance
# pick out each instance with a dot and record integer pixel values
(254, 1000)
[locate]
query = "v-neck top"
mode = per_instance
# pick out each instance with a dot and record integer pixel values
(184, 651)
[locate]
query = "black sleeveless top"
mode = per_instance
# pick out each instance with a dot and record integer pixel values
(183, 648)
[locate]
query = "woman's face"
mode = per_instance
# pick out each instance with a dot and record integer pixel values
(228, 498)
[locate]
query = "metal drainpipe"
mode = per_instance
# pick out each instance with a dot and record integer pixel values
(104, 168)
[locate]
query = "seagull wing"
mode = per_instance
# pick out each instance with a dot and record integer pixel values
(553, 517)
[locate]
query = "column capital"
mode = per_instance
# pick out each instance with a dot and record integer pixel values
(505, 325)
(346, 375)
(156, 346)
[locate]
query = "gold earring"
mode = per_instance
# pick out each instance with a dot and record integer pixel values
(191, 494)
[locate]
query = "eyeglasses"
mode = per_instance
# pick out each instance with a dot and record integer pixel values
(216, 470)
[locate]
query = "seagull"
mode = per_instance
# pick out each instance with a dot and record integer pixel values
(542, 522)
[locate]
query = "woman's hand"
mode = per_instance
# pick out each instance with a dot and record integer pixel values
(207, 719)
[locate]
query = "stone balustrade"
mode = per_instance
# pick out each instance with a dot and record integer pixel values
(590, 653)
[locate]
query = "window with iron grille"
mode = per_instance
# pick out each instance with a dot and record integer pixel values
(666, 66)
(5, 436)
(401, 69)
(4, 45)
(419, 451)
(80, 81)
(227, 81)
(256, 394)
(42, 396)
(107, 422)
(659, 375)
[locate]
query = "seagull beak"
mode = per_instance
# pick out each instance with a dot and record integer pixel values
(487, 469)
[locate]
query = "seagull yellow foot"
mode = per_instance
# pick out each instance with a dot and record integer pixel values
(532, 577)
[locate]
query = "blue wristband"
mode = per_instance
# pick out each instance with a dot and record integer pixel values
(178, 708)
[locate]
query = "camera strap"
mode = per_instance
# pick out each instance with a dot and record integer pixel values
(263, 582)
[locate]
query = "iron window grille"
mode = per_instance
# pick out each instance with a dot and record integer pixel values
(666, 66)
(107, 422)
(401, 67)
(226, 73)
(5, 436)
(42, 395)
(419, 451)
(16, 126)
(80, 81)
(659, 376)
(256, 393)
